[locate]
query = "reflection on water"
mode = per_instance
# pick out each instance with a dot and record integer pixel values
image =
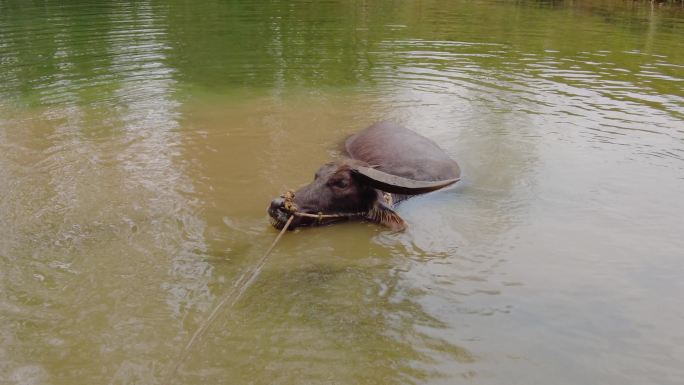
(106, 225)
(140, 143)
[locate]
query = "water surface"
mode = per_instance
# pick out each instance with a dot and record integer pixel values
(140, 143)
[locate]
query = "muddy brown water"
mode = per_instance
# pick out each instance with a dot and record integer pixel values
(140, 144)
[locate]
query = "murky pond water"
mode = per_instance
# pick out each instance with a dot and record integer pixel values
(140, 143)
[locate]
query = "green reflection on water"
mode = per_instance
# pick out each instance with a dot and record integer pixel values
(81, 52)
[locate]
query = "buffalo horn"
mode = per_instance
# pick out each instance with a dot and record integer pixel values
(399, 185)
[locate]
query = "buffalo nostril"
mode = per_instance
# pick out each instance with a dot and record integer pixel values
(277, 204)
(277, 212)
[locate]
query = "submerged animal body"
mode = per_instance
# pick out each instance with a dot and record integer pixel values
(387, 163)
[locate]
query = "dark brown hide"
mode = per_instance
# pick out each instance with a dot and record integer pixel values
(383, 157)
(399, 151)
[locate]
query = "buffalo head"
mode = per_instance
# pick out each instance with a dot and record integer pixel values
(350, 187)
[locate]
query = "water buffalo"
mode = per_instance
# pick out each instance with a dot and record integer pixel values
(387, 164)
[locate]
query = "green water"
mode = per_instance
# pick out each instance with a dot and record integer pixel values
(141, 142)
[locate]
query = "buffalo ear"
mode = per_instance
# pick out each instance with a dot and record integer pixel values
(382, 214)
(396, 184)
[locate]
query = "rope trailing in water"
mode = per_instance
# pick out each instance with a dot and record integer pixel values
(248, 279)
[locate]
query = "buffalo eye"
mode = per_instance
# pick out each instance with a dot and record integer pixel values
(341, 183)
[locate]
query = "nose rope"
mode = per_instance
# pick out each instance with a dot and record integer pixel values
(292, 209)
